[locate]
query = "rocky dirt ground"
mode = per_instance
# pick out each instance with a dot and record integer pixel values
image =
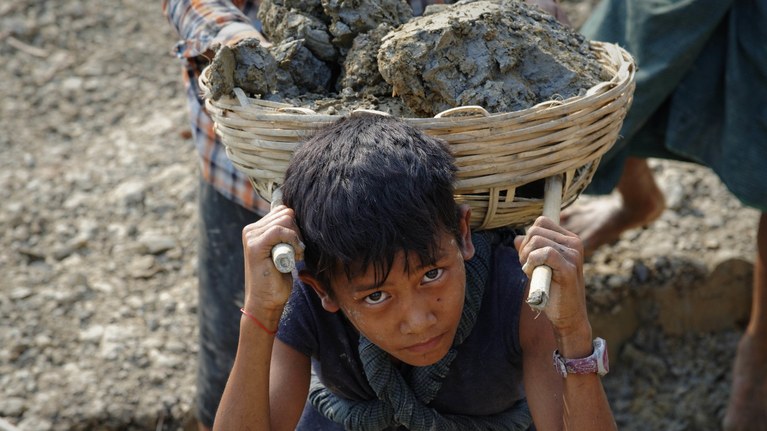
(97, 243)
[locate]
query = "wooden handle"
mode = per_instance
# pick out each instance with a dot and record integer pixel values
(283, 255)
(540, 282)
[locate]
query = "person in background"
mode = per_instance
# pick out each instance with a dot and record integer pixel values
(700, 97)
(227, 201)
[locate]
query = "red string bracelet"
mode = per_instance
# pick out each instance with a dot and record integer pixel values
(261, 325)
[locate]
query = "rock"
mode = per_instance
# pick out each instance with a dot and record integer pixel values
(21, 293)
(130, 193)
(12, 407)
(155, 243)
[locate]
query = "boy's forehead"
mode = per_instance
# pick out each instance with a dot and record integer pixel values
(358, 274)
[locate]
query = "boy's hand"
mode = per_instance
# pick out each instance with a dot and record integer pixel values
(547, 243)
(267, 289)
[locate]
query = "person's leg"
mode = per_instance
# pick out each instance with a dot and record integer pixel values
(638, 202)
(747, 409)
(221, 283)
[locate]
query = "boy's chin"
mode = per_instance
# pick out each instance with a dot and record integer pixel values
(422, 359)
(423, 362)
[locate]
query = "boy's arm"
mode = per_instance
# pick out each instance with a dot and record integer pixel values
(206, 24)
(289, 385)
(578, 401)
(543, 387)
(269, 381)
(264, 394)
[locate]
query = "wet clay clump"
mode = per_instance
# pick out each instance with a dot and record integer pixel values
(503, 56)
(310, 42)
(336, 55)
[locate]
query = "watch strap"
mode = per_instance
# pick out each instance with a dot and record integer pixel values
(596, 363)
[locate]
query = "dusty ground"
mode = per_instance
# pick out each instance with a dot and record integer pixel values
(97, 243)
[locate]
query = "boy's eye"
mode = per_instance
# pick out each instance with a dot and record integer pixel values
(376, 297)
(432, 274)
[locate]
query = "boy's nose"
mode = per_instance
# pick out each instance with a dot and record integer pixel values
(418, 317)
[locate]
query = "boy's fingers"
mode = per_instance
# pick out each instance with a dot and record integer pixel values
(551, 256)
(518, 240)
(260, 237)
(277, 212)
(555, 233)
(544, 251)
(549, 224)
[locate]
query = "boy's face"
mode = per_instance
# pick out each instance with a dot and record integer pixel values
(413, 315)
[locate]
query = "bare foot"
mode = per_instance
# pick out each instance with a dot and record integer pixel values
(747, 409)
(600, 221)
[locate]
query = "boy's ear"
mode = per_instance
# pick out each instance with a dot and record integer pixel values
(328, 303)
(464, 223)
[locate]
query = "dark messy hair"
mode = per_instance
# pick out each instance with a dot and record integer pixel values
(367, 187)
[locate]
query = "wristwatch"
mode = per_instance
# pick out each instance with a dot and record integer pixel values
(597, 362)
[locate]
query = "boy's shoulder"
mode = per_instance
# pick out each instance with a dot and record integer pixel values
(502, 243)
(501, 236)
(305, 325)
(503, 297)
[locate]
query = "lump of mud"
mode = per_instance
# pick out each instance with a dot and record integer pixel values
(349, 18)
(501, 55)
(328, 27)
(247, 65)
(314, 75)
(360, 69)
(283, 22)
(311, 40)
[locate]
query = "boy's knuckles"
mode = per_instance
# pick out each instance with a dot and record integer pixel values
(536, 242)
(540, 256)
(248, 229)
(573, 242)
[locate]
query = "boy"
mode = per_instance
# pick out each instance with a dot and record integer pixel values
(226, 199)
(406, 318)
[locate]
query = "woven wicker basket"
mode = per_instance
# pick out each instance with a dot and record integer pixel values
(496, 154)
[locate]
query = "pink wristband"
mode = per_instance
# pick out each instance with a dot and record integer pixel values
(261, 325)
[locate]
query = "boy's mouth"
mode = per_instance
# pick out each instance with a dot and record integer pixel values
(427, 345)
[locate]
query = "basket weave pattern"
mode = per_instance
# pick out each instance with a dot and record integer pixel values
(495, 153)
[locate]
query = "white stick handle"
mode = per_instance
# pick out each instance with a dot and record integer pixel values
(540, 282)
(283, 255)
